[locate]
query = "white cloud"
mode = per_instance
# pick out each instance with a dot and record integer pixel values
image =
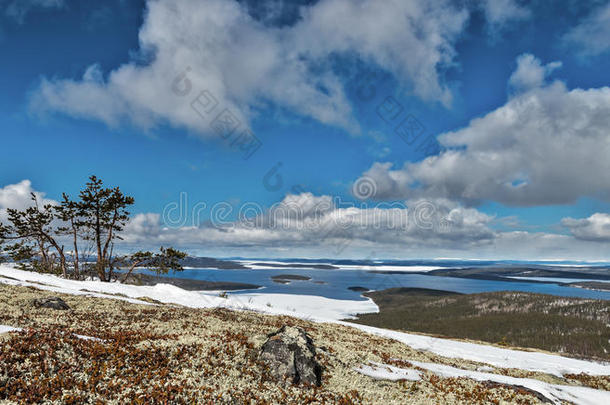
(245, 64)
(530, 73)
(547, 145)
(18, 9)
(426, 229)
(594, 228)
(592, 35)
(501, 12)
(18, 196)
(306, 225)
(322, 224)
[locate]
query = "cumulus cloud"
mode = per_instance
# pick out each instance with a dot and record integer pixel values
(546, 145)
(323, 227)
(592, 35)
(530, 73)
(323, 223)
(18, 9)
(18, 196)
(244, 64)
(594, 228)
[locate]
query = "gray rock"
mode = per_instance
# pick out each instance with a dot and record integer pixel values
(290, 355)
(50, 302)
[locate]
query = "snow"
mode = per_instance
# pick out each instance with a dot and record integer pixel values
(314, 308)
(386, 267)
(555, 392)
(386, 372)
(302, 306)
(83, 337)
(495, 356)
(6, 329)
(381, 267)
(310, 305)
(557, 279)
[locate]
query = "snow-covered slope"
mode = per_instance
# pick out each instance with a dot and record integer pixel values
(302, 306)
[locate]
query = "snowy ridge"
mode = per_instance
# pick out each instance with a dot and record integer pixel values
(302, 306)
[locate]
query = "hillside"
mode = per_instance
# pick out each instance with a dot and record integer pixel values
(573, 326)
(118, 347)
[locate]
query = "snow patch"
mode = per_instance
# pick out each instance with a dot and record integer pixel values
(554, 392)
(6, 329)
(380, 371)
(495, 356)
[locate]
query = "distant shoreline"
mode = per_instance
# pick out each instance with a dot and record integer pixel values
(189, 284)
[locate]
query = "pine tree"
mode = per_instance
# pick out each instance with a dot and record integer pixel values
(71, 215)
(35, 225)
(98, 216)
(104, 214)
(167, 259)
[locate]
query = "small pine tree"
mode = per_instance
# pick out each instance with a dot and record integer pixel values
(98, 217)
(34, 225)
(167, 259)
(104, 214)
(70, 214)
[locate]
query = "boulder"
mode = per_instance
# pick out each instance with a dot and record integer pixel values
(290, 355)
(50, 302)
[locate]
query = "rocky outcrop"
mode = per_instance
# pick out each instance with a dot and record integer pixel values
(50, 302)
(290, 355)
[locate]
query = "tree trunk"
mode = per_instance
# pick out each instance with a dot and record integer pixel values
(133, 266)
(76, 268)
(110, 263)
(60, 252)
(107, 242)
(43, 253)
(101, 272)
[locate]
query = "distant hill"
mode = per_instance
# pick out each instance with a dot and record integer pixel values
(211, 263)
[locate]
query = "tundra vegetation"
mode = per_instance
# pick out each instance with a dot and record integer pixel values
(106, 350)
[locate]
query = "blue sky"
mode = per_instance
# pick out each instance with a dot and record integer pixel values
(296, 81)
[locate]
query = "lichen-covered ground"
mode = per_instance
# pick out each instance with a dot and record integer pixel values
(167, 354)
